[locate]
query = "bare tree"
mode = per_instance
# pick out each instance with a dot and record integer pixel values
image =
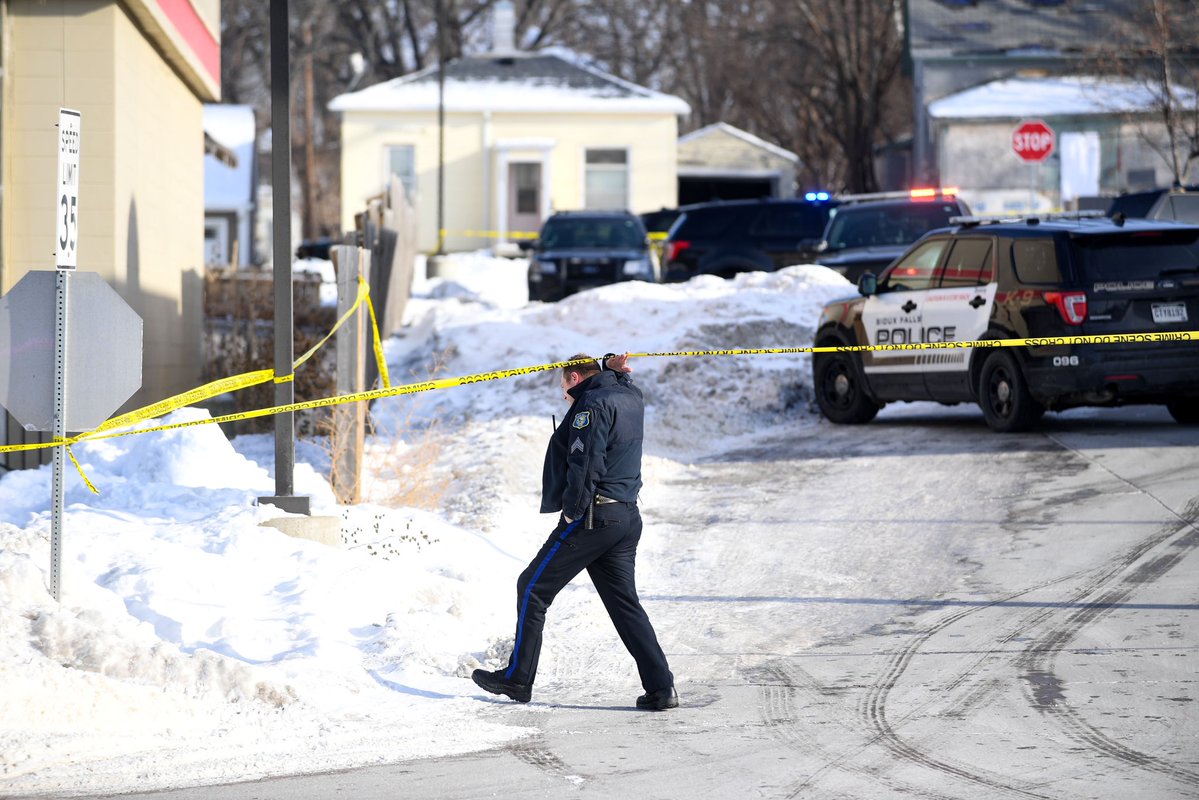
(626, 37)
(819, 77)
(842, 87)
(1158, 48)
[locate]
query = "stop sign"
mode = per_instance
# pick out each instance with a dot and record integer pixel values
(1033, 140)
(104, 351)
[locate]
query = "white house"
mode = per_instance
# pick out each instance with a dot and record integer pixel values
(525, 134)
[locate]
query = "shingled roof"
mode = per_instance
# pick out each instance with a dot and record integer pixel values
(944, 28)
(529, 82)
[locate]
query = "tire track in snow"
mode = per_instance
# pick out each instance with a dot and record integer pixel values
(874, 713)
(778, 697)
(874, 708)
(1038, 661)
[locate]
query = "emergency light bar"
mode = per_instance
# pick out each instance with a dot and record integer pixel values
(1031, 219)
(920, 193)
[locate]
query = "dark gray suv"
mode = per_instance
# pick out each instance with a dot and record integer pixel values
(579, 250)
(868, 232)
(726, 237)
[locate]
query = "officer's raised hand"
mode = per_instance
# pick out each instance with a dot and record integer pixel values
(618, 363)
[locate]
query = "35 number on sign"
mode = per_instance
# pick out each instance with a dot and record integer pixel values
(67, 212)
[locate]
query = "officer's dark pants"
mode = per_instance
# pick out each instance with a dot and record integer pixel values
(608, 552)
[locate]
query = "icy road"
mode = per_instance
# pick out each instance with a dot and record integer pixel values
(992, 617)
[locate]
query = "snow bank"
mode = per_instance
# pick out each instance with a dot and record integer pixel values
(755, 310)
(194, 645)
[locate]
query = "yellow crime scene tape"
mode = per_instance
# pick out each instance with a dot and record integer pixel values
(218, 387)
(111, 428)
(473, 234)
(654, 236)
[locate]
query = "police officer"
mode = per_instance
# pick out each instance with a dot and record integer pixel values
(592, 475)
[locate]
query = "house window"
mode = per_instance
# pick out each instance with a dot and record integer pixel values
(401, 162)
(607, 179)
(528, 188)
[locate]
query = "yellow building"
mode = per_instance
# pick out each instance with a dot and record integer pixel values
(526, 134)
(139, 71)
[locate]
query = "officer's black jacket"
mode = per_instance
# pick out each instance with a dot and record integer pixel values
(597, 447)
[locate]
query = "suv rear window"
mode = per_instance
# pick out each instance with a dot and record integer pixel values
(1139, 254)
(1035, 261)
(591, 232)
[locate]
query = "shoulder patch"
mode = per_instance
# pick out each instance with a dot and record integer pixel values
(581, 420)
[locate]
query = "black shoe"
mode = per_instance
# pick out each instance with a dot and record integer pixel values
(659, 700)
(494, 682)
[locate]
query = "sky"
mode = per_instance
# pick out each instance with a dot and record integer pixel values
(194, 645)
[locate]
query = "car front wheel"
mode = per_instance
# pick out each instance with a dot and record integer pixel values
(1184, 410)
(1004, 397)
(839, 390)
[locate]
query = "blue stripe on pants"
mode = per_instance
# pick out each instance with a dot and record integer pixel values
(524, 603)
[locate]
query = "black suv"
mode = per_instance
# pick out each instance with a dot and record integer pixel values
(579, 250)
(726, 237)
(868, 232)
(1019, 279)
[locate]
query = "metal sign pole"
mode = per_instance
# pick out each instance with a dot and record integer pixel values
(284, 326)
(281, 220)
(65, 259)
(62, 284)
(1032, 187)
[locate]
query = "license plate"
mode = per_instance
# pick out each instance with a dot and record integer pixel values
(593, 269)
(1169, 312)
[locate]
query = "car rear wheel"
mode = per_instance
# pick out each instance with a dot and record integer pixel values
(1004, 397)
(1185, 410)
(839, 390)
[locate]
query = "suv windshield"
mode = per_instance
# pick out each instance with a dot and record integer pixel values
(881, 226)
(1140, 254)
(614, 232)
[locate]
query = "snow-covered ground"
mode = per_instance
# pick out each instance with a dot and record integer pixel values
(192, 645)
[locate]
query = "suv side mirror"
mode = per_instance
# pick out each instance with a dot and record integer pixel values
(822, 245)
(527, 244)
(867, 284)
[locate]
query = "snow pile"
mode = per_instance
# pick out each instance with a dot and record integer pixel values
(195, 645)
(754, 310)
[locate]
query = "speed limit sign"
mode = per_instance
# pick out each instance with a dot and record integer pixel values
(67, 209)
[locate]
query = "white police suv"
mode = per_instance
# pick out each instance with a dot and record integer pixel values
(1038, 277)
